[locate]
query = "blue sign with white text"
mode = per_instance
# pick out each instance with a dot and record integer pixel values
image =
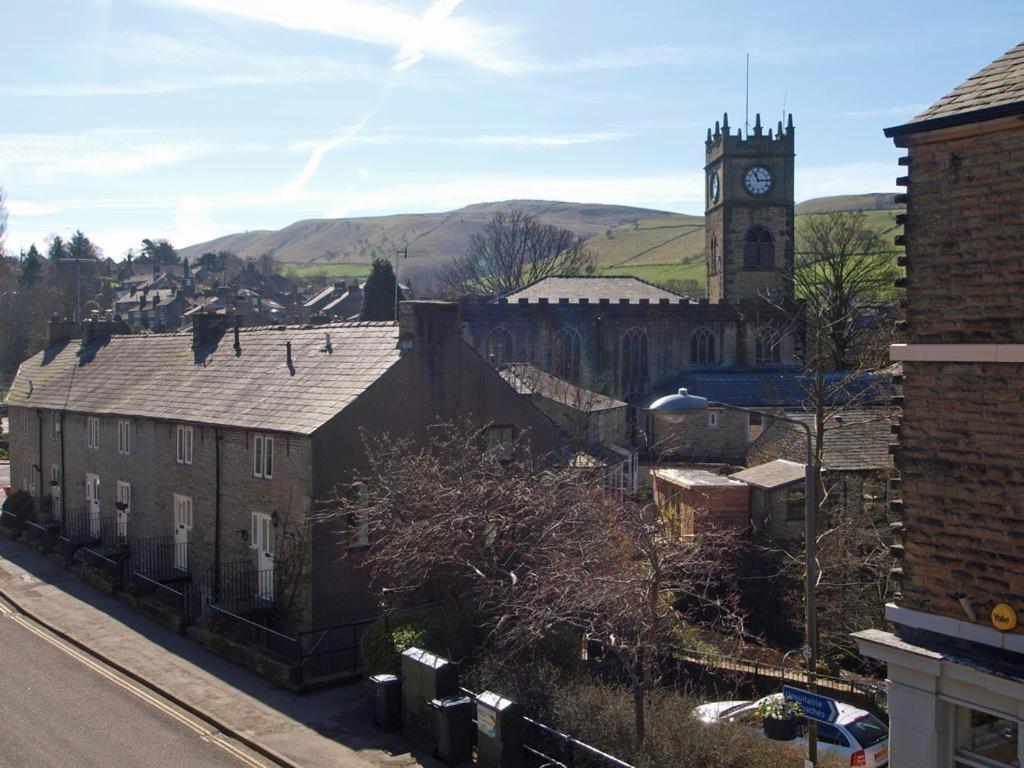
(814, 706)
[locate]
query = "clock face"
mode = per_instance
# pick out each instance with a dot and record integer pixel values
(757, 180)
(713, 186)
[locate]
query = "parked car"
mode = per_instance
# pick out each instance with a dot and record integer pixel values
(857, 737)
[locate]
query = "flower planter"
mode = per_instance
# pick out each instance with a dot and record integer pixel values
(780, 729)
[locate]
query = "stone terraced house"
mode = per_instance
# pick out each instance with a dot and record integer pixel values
(203, 454)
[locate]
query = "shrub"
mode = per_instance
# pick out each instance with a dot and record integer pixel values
(438, 629)
(602, 715)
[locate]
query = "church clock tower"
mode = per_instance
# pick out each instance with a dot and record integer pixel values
(748, 218)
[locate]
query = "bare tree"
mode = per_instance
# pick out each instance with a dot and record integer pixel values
(843, 278)
(533, 549)
(514, 249)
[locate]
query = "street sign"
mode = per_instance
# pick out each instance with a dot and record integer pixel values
(814, 706)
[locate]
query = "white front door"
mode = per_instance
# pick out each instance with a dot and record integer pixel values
(92, 498)
(182, 530)
(55, 493)
(263, 543)
(124, 505)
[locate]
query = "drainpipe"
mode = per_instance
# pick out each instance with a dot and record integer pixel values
(216, 513)
(39, 415)
(63, 495)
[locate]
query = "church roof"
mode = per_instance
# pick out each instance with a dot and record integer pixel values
(995, 91)
(161, 376)
(778, 387)
(593, 289)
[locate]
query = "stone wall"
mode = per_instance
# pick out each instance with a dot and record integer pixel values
(712, 435)
(668, 328)
(961, 464)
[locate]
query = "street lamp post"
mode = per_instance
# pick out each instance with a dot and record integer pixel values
(78, 282)
(682, 403)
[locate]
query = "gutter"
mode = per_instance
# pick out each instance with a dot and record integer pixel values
(959, 118)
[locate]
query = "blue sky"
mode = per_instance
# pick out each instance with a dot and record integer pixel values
(189, 119)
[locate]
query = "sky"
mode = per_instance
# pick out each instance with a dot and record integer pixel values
(190, 119)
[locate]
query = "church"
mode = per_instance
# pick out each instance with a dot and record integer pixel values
(634, 341)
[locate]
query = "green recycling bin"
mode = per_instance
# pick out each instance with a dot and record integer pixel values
(424, 677)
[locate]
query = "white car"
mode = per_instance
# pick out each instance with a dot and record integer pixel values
(857, 737)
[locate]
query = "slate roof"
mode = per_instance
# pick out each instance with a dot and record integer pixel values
(528, 379)
(774, 474)
(997, 89)
(158, 376)
(777, 387)
(593, 289)
(857, 439)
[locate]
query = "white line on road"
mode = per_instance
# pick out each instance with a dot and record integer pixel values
(211, 735)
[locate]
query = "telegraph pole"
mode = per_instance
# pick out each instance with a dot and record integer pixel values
(405, 255)
(78, 283)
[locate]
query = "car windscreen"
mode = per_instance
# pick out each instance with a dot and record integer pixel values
(868, 730)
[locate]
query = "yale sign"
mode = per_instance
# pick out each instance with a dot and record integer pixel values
(1004, 618)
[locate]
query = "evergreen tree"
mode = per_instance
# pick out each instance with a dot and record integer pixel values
(159, 251)
(81, 247)
(58, 249)
(31, 267)
(379, 292)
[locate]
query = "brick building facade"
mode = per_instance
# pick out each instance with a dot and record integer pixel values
(956, 655)
(229, 438)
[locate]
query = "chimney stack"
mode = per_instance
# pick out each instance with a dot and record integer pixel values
(58, 330)
(427, 323)
(208, 328)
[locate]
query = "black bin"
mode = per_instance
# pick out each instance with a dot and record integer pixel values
(387, 705)
(453, 729)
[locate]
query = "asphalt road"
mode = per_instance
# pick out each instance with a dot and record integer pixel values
(61, 707)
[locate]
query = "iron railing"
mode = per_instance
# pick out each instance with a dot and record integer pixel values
(547, 747)
(332, 650)
(161, 558)
(246, 590)
(78, 527)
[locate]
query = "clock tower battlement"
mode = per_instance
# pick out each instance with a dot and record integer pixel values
(748, 217)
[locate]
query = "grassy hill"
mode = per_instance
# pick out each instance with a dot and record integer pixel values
(654, 245)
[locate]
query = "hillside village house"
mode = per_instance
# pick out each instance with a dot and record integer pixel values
(955, 657)
(220, 443)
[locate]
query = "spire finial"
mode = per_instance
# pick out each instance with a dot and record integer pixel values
(718, 130)
(709, 135)
(725, 123)
(789, 122)
(757, 124)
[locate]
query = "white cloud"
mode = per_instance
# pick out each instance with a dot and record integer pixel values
(97, 153)
(437, 32)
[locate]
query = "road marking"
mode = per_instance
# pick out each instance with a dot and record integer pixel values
(209, 734)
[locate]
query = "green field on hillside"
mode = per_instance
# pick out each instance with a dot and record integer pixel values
(659, 273)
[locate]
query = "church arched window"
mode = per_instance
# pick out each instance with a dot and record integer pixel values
(714, 256)
(766, 346)
(702, 347)
(758, 249)
(634, 362)
(567, 354)
(499, 347)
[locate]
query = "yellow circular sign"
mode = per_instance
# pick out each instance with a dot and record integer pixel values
(1004, 618)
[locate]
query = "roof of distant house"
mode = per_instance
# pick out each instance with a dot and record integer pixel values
(527, 379)
(995, 91)
(592, 289)
(158, 376)
(856, 439)
(774, 474)
(778, 387)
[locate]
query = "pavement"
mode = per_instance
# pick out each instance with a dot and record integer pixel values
(320, 729)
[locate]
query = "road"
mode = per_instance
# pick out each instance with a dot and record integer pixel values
(62, 707)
